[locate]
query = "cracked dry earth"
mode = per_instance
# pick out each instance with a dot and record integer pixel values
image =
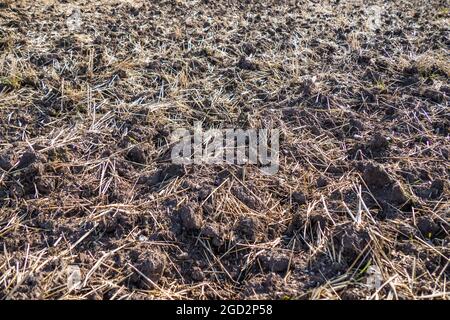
(91, 206)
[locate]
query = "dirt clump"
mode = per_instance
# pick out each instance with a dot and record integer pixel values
(136, 154)
(433, 191)
(246, 198)
(166, 173)
(213, 234)
(27, 159)
(275, 262)
(350, 241)
(298, 198)
(148, 268)
(384, 189)
(92, 94)
(190, 219)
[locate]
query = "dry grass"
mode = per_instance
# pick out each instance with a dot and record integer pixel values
(85, 180)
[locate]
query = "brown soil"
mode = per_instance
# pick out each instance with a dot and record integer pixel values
(86, 114)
